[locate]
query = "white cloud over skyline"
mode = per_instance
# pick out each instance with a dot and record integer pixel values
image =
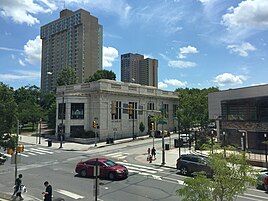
(242, 49)
(109, 56)
(228, 78)
(187, 50)
(32, 51)
(20, 75)
(181, 64)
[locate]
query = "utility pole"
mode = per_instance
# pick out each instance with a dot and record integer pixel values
(224, 144)
(163, 139)
(265, 137)
(40, 124)
(16, 153)
(96, 174)
(211, 138)
(61, 134)
(133, 118)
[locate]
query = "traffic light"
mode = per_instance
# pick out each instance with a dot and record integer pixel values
(94, 124)
(20, 148)
(152, 126)
(113, 107)
(10, 151)
(130, 109)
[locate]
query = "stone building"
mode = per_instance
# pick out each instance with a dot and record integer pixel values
(107, 102)
(243, 110)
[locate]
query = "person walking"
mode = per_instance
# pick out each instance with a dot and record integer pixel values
(48, 192)
(17, 188)
(154, 153)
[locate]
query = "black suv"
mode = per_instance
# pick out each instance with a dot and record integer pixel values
(190, 163)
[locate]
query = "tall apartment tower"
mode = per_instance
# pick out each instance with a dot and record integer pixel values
(136, 69)
(148, 72)
(74, 40)
(130, 67)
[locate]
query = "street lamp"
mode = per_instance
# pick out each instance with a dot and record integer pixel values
(61, 127)
(224, 143)
(265, 137)
(243, 142)
(211, 139)
(152, 131)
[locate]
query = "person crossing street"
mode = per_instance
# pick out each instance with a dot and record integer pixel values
(17, 188)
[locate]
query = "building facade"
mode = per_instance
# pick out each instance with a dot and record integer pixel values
(243, 110)
(136, 69)
(107, 103)
(74, 40)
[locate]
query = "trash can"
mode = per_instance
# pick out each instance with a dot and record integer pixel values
(176, 143)
(166, 146)
(49, 142)
(107, 140)
(111, 140)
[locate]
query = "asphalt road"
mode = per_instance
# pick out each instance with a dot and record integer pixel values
(145, 181)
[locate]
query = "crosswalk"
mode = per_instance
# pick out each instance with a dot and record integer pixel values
(117, 156)
(30, 151)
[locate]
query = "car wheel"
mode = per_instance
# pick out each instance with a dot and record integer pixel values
(184, 170)
(83, 173)
(111, 176)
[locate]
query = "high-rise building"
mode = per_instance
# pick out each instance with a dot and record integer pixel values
(136, 69)
(74, 40)
(130, 67)
(148, 72)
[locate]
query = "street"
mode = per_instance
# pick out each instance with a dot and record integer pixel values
(145, 182)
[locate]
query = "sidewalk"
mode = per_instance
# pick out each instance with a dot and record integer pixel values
(72, 146)
(172, 155)
(7, 196)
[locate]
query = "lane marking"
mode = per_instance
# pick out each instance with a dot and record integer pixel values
(156, 177)
(121, 157)
(140, 166)
(247, 198)
(42, 151)
(31, 153)
(70, 194)
(36, 152)
(139, 169)
(257, 196)
(23, 155)
(114, 154)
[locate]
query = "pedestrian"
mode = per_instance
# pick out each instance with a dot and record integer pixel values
(154, 153)
(48, 192)
(17, 188)
(148, 153)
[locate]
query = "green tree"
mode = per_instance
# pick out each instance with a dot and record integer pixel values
(51, 116)
(142, 127)
(193, 107)
(220, 187)
(8, 112)
(66, 77)
(101, 74)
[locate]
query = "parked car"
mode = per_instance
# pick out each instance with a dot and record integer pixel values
(108, 169)
(187, 164)
(186, 137)
(262, 181)
(158, 134)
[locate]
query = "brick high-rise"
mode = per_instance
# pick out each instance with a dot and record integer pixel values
(74, 40)
(136, 69)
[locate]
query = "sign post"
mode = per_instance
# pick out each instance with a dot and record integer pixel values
(96, 191)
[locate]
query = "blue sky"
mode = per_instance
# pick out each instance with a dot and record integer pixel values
(199, 43)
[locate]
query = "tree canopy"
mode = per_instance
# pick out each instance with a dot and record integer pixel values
(220, 187)
(8, 112)
(101, 74)
(66, 77)
(193, 107)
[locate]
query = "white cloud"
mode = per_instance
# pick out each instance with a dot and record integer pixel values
(175, 82)
(20, 75)
(21, 62)
(228, 78)
(32, 51)
(109, 55)
(248, 14)
(242, 49)
(10, 49)
(162, 85)
(118, 7)
(181, 64)
(23, 11)
(187, 50)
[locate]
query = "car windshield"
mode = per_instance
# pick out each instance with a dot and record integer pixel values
(109, 163)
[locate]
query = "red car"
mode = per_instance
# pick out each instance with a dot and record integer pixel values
(108, 169)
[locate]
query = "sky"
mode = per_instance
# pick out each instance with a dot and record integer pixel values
(198, 43)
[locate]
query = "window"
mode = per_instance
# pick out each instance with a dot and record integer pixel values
(61, 110)
(116, 110)
(133, 113)
(165, 110)
(77, 110)
(150, 106)
(76, 130)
